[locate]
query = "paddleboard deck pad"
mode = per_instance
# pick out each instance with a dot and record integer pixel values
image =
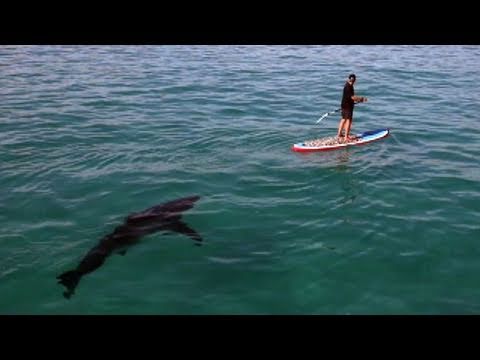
(332, 143)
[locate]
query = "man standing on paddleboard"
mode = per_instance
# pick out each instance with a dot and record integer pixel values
(348, 102)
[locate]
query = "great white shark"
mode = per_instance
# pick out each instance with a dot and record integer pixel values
(163, 217)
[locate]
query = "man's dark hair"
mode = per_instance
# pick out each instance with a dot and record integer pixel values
(352, 76)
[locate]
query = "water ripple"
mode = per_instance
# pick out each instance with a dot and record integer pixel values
(89, 134)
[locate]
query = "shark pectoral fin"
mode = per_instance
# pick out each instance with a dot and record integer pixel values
(184, 229)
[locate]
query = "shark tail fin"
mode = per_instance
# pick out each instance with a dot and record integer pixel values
(70, 280)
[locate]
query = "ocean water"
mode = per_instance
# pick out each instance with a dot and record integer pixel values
(91, 134)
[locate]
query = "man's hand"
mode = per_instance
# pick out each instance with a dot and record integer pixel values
(359, 99)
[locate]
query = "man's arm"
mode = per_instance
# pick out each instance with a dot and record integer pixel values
(358, 99)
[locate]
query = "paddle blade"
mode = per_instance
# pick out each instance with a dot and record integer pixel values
(323, 116)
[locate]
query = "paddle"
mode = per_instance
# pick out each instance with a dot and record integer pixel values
(328, 113)
(337, 110)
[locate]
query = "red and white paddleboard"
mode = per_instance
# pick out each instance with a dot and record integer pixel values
(319, 145)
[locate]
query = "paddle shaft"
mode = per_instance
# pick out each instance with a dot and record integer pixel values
(333, 112)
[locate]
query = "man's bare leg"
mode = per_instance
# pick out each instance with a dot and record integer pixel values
(340, 128)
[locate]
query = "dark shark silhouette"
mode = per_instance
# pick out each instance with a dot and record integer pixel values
(163, 217)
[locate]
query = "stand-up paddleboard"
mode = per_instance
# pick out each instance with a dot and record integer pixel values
(332, 143)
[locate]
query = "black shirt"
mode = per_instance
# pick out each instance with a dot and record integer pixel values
(348, 92)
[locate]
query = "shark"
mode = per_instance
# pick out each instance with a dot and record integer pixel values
(163, 217)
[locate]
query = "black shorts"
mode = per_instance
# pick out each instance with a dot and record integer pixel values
(347, 113)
